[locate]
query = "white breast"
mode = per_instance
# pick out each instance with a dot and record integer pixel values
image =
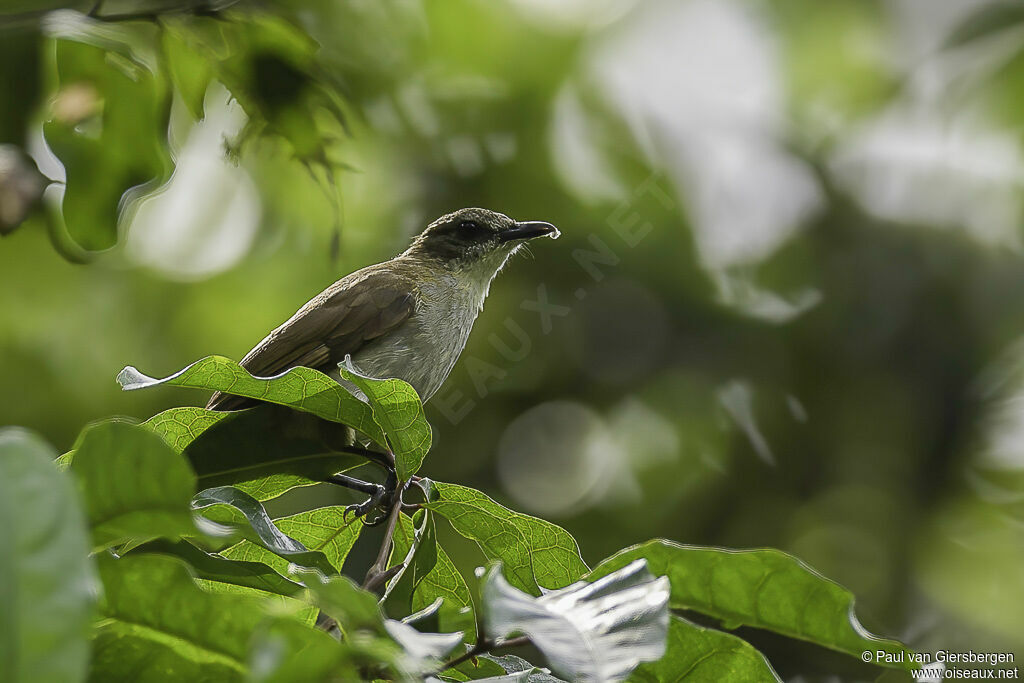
(424, 350)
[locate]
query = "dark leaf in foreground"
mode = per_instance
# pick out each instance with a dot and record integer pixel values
(134, 486)
(47, 581)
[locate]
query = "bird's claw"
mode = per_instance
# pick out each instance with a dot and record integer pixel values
(358, 510)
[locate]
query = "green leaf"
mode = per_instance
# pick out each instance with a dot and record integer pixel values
(189, 71)
(414, 546)
(211, 567)
(227, 505)
(535, 553)
(324, 530)
(181, 426)
(398, 410)
(46, 576)
(270, 449)
(595, 631)
(133, 485)
(703, 655)
(442, 581)
(300, 388)
(760, 588)
(108, 127)
(158, 625)
(339, 597)
(284, 651)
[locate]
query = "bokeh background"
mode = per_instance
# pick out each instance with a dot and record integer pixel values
(787, 308)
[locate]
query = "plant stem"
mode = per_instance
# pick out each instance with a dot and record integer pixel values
(379, 567)
(483, 646)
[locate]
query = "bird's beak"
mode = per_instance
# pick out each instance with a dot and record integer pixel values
(524, 230)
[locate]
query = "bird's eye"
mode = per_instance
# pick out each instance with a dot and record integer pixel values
(469, 226)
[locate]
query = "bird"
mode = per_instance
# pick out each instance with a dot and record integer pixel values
(407, 318)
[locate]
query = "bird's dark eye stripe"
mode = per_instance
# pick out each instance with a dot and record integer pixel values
(469, 225)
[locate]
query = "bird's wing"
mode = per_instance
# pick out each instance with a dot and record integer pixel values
(341, 320)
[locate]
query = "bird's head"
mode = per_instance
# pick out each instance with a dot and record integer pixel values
(477, 239)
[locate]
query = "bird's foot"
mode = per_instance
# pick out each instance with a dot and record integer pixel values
(363, 509)
(381, 497)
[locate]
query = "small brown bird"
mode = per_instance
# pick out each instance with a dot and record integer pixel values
(408, 317)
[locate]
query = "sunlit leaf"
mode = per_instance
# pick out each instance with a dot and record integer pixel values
(761, 588)
(398, 410)
(694, 654)
(133, 485)
(327, 530)
(227, 505)
(300, 388)
(46, 577)
(535, 553)
(181, 426)
(595, 631)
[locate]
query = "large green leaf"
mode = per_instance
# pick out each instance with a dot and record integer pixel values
(133, 485)
(300, 388)
(442, 581)
(761, 588)
(695, 654)
(158, 625)
(268, 449)
(229, 506)
(398, 410)
(46, 576)
(595, 631)
(327, 530)
(535, 554)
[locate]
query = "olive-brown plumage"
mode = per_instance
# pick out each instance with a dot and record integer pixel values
(408, 317)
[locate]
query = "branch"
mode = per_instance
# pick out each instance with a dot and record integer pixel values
(206, 8)
(378, 572)
(483, 646)
(386, 460)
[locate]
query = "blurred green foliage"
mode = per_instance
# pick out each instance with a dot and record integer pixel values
(839, 383)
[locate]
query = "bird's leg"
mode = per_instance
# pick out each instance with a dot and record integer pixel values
(380, 496)
(376, 492)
